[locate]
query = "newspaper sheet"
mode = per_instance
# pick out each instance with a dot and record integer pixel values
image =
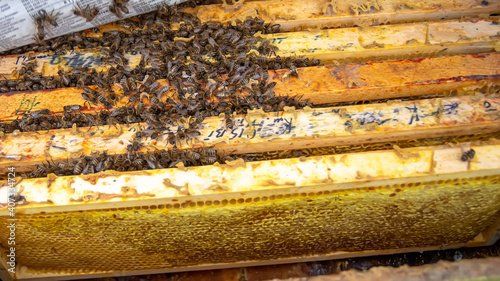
(17, 26)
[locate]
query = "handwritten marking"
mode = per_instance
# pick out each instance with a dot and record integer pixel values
(487, 106)
(59, 147)
(417, 114)
(29, 105)
(278, 40)
(451, 109)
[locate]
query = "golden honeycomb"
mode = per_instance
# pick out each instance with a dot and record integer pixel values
(194, 231)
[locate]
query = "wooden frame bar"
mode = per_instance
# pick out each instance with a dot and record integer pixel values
(346, 171)
(293, 129)
(298, 15)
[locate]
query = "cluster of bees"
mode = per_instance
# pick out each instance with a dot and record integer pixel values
(99, 162)
(211, 69)
(26, 78)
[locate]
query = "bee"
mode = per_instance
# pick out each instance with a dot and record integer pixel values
(40, 32)
(134, 146)
(138, 162)
(315, 62)
(293, 70)
(95, 159)
(172, 139)
(192, 133)
(89, 13)
(51, 18)
(229, 123)
(41, 170)
(161, 91)
(165, 155)
(63, 166)
(272, 28)
(42, 20)
(193, 157)
(119, 160)
(78, 169)
(468, 155)
(140, 108)
(65, 79)
(108, 161)
(118, 111)
(153, 86)
(119, 7)
(181, 134)
(18, 198)
(151, 160)
(210, 160)
(154, 99)
(174, 153)
(125, 86)
(209, 152)
(130, 110)
(72, 108)
(28, 67)
(39, 113)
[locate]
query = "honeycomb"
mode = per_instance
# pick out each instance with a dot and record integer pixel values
(193, 231)
(353, 148)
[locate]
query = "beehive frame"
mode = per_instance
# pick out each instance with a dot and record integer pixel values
(235, 207)
(439, 182)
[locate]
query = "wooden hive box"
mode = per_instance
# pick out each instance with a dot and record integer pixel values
(373, 167)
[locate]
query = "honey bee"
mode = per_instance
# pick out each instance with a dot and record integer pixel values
(161, 91)
(65, 79)
(51, 18)
(39, 113)
(229, 123)
(210, 160)
(293, 70)
(18, 198)
(152, 162)
(40, 31)
(272, 28)
(165, 155)
(88, 13)
(95, 159)
(172, 138)
(42, 20)
(174, 153)
(119, 7)
(72, 108)
(80, 165)
(209, 152)
(138, 162)
(134, 146)
(108, 161)
(468, 155)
